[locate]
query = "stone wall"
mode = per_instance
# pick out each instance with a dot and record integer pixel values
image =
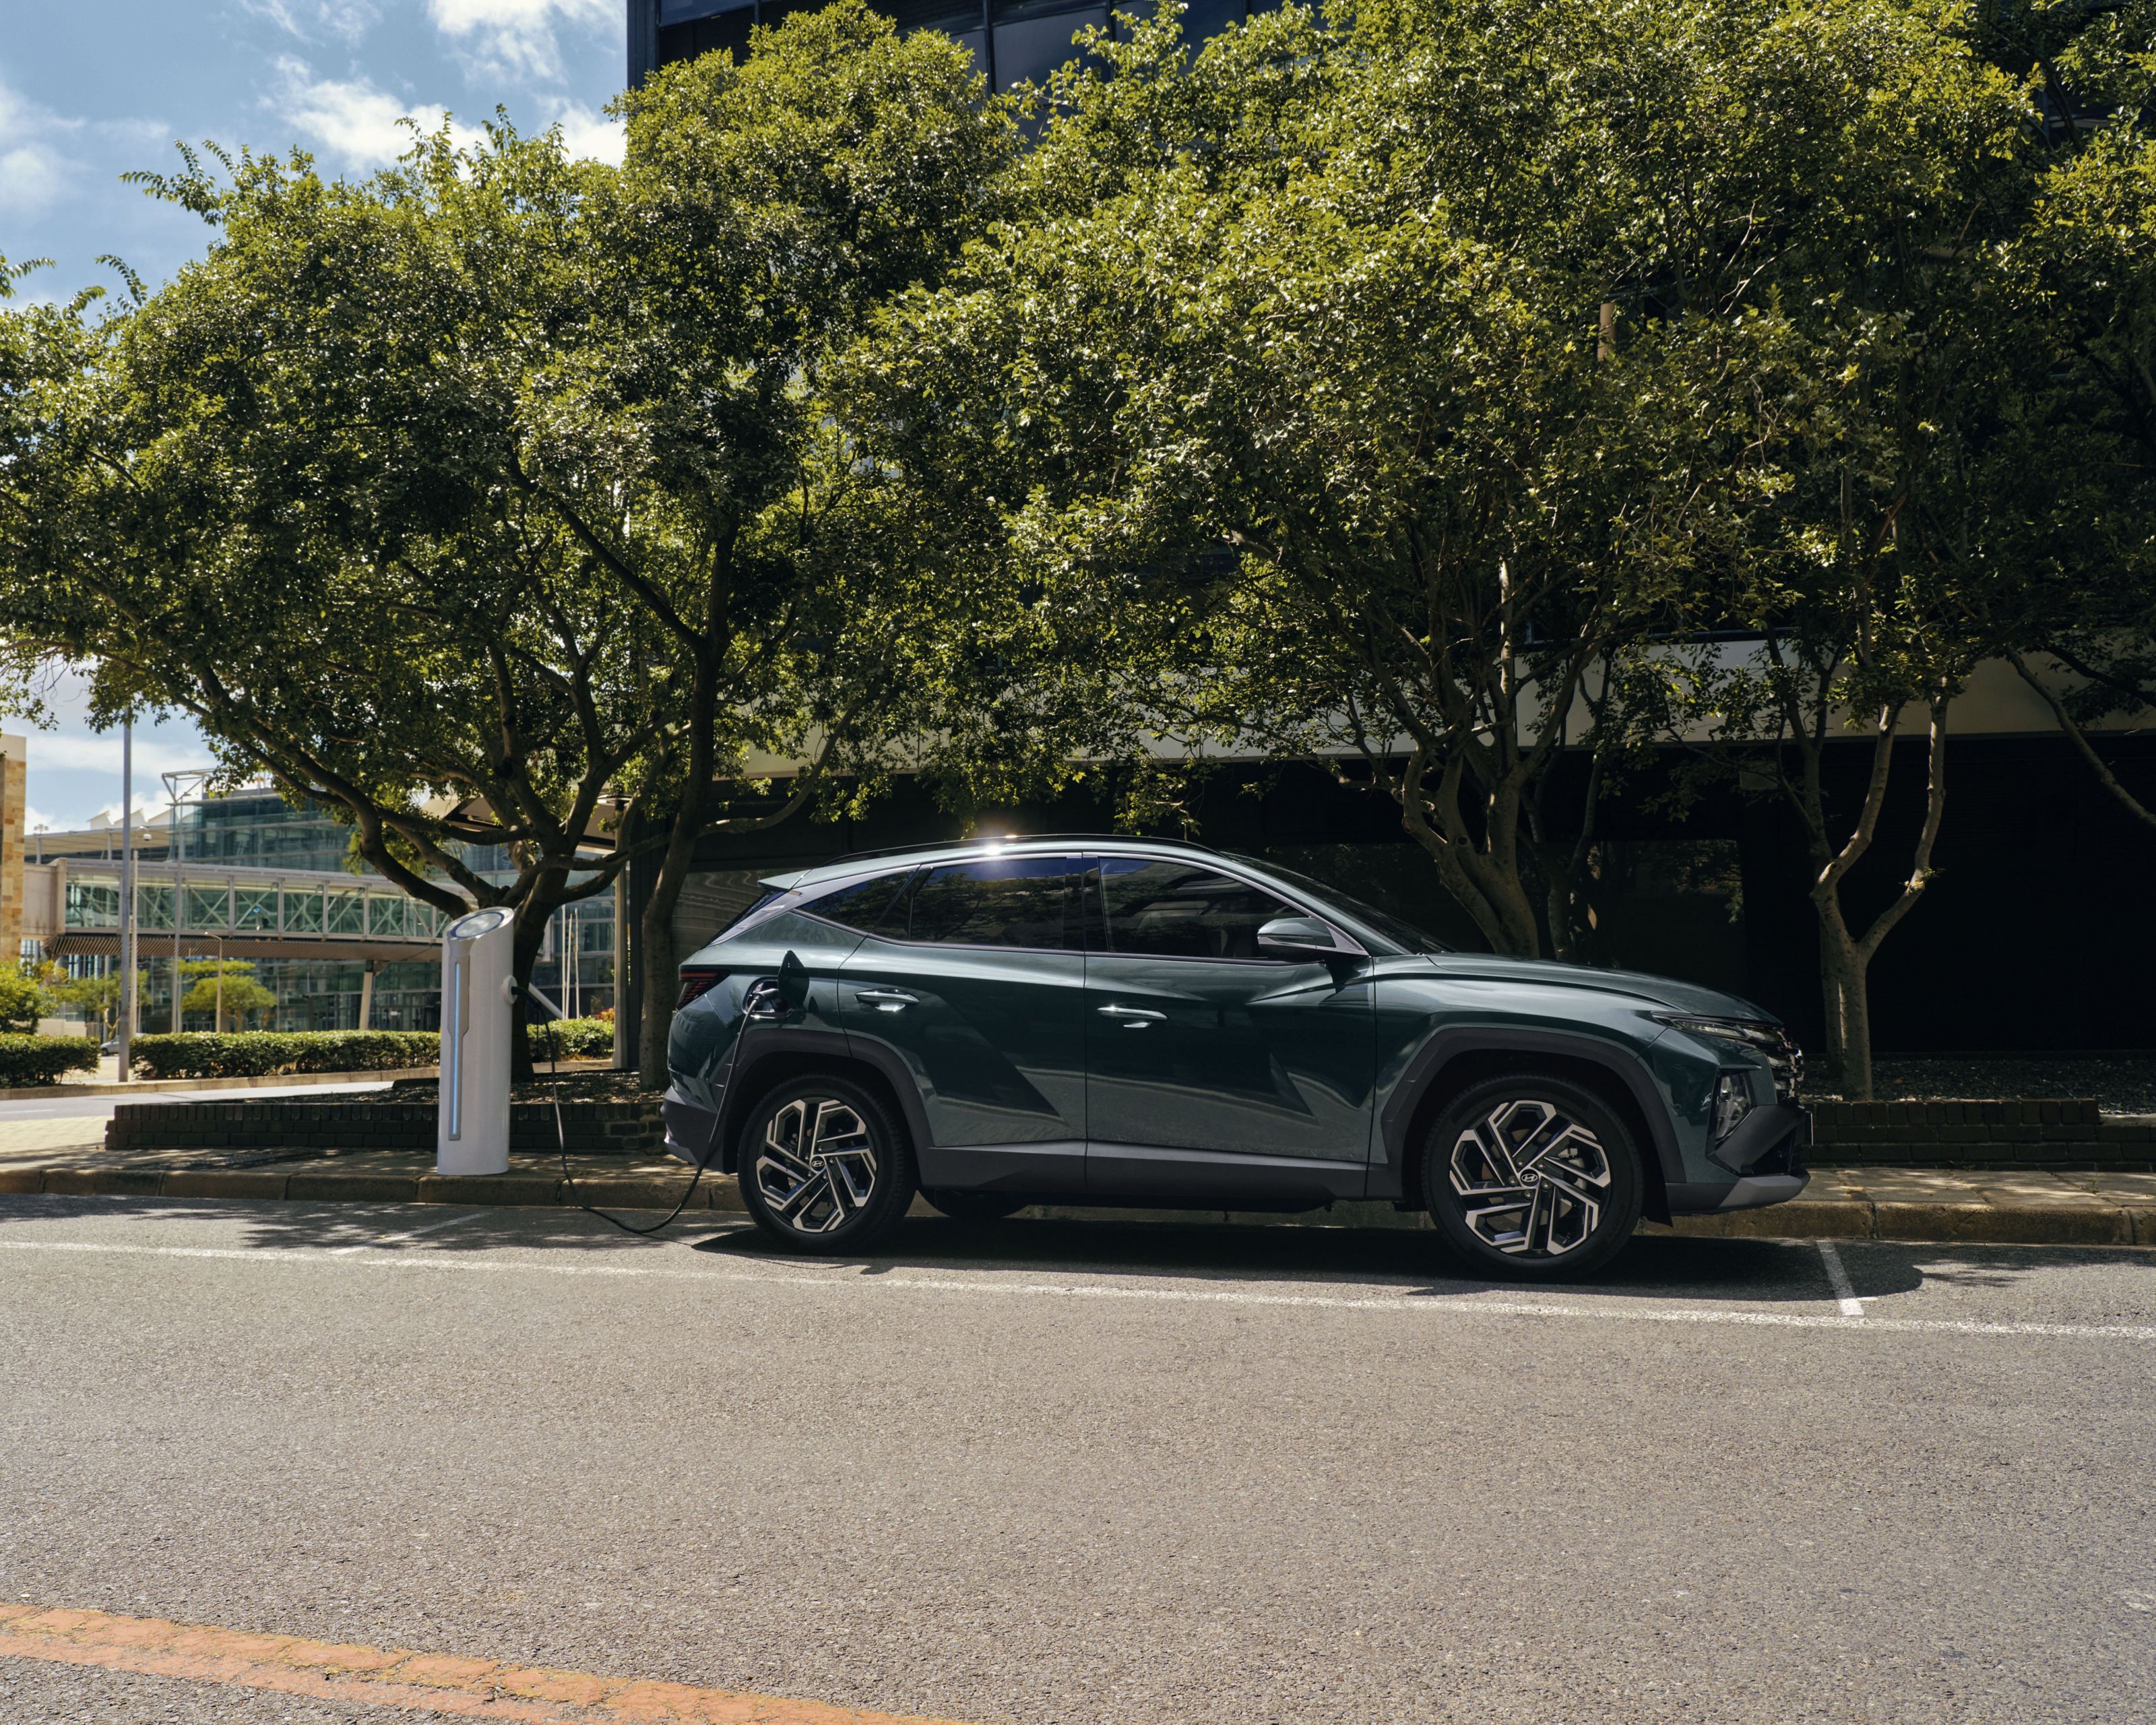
(2031, 1132)
(592, 1128)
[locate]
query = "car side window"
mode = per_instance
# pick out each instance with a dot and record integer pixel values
(1167, 909)
(875, 905)
(997, 901)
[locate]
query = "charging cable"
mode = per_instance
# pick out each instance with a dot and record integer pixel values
(561, 1131)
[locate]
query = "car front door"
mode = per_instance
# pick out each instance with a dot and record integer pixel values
(1215, 1071)
(975, 980)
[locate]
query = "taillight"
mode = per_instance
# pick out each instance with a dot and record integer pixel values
(695, 983)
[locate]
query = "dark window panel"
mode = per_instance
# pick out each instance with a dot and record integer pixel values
(873, 905)
(1168, 909)
(1035, 48)
(997, 901)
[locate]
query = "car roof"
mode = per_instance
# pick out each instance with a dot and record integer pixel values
(861, 862)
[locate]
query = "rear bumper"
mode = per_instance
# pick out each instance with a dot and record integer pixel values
(692, 1130)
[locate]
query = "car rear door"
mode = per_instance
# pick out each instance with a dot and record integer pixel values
(1214, 1072)
(975, 981)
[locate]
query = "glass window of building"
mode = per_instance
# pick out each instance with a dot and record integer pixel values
(255, 909)
(93, 904)
(303, 910)
(385, 916)
(208, 907)
(153, 904)
(347, 912)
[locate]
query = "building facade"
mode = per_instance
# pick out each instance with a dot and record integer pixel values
(247, 876)
(1013, 41)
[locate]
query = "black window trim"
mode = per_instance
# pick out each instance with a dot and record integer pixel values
(1350, 947)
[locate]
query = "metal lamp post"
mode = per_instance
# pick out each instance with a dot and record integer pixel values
(174, 783)
(124, 1042)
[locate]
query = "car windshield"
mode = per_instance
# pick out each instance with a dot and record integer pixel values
(1402, 934)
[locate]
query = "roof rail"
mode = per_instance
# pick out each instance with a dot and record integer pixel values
(1021, 839)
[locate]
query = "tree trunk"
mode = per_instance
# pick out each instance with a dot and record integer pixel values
(1846, 959)
(1845, 986)
(655, 939)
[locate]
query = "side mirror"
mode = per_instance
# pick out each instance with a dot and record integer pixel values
(1298, 937)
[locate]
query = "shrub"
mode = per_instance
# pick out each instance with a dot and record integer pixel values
(252, 1054)
(26, 1060)
(22, 1001)
(571, 1039)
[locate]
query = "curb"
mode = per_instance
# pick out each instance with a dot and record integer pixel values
(2094, 1224)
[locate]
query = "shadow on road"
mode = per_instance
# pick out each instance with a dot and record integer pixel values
(1651, 1267)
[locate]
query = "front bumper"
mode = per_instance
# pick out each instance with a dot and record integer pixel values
(1764, 1154)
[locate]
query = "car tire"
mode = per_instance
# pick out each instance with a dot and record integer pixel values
(1532, 1177)
(823, 1167)
(975, 1206)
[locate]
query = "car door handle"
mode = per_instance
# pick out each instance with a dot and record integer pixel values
(886, 999)
(1134, 1018)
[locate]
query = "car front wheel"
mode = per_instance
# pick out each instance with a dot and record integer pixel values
(1532, 1177)
(823, 1168)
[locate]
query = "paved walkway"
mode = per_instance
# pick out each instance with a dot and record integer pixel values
(40, 1131)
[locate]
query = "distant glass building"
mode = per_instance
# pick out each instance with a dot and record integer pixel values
(253, 877)
(1012, 40)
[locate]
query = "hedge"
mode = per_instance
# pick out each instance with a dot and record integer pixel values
(571, 1040)
(252, 1054)
(28, 1060)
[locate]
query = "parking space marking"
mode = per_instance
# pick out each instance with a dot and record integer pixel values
(886, 1279)
(389, 1239)
(1838, 1278)
(440, 1684)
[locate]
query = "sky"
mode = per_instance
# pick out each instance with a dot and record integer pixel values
(89, 92)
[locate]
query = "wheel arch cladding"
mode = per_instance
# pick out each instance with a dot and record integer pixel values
(814, 1056)
(1451, 1065)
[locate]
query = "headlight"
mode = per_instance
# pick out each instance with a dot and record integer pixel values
(1732, 1101)
(1784, 1058)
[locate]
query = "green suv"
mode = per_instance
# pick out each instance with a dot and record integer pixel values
(1133, 1022)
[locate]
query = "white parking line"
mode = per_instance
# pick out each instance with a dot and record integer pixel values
(894, 1280)
(1838, 1278)
(414, 1233)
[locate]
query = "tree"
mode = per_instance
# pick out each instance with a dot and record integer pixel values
(1398, 380)
(488, 500)
(23, 1003)
(2082, 605)
(224, 988)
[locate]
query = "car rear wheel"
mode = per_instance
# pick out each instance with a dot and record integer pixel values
(1532, 1177)
(975, 1206)
(823, 1168)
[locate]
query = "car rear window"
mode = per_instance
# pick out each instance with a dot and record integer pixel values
(875, 905)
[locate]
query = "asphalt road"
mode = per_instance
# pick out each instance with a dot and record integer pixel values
(1050, 1472)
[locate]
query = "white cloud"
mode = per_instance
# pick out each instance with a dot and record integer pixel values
(35, 173)
(516, 39)
(586, 131)
(351, 121)
(347, 20)
(75, 772)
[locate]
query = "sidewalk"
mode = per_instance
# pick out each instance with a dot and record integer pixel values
(1998, 1207)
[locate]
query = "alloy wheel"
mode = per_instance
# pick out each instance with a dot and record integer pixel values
(1532, 1180)
(816, 1168)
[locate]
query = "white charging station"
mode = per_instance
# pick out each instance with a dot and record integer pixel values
(478, 987)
